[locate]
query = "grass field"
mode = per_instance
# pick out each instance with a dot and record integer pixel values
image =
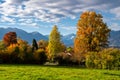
(37, 72)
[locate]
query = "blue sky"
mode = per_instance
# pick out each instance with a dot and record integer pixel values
(42, 15)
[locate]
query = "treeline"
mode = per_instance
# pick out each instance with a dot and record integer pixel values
(90, 47)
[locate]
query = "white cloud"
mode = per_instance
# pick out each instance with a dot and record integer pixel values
(68, 28)
(7, 19)
(53, 10)
(115, 26)
(116, 11)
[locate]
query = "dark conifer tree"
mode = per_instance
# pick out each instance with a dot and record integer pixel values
(34, 45)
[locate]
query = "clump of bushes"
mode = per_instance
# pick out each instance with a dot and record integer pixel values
(63, 58)
(22, 54)
(105, 59)
(10, 55)
(40, 56)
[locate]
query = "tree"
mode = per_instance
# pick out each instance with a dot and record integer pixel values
(10, 38)
(2, 45)
(42, 44)
(54, 45)
(92, 34)
(34, 45)
(23, 47)
(40, 56)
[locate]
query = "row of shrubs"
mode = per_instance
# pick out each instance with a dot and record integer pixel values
(22, 55)
(105, 59)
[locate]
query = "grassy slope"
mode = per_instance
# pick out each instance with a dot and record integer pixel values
(36, 72)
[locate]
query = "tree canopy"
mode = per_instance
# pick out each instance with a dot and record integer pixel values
(92, 33)
(54, 45)
(10, 38)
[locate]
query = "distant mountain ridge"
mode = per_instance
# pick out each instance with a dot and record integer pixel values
(114, 39)
(23, 34)
(68, 40)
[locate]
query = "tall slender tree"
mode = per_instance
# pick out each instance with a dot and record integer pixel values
(54, 45)
(34, 45)
(92, 34)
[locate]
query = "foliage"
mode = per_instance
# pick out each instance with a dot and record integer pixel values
(92, 34)
(11, 54)
(42, 44)
(40, 56)
(34, 45)
(54, 45)
(25, 54)
(93, 60)
(69, 49)
(62, 47)
(2, 45)
(10, 38)
(105, 59)
(64, 58)
(110, 58)
(4, 57)
(17, 53)
(23, 48)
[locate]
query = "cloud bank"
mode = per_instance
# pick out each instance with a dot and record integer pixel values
(33, 11)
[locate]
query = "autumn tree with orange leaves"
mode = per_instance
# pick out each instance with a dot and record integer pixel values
(92, 34)
(10, 38)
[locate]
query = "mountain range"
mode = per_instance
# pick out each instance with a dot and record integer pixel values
(23, 34)
(68, 40)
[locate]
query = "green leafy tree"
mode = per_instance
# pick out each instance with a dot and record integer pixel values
(92, 34)
(54, 45)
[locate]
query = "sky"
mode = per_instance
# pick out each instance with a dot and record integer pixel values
(42, 15)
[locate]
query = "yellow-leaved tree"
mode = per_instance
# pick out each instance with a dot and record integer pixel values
(92, 34)
(54, 44)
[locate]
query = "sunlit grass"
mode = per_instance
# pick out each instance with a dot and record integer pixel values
(37, 72)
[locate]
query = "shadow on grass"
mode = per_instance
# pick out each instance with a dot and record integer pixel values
(41, 79)
(64, 66)
(2, 70)
(52, 66)
(112, 74)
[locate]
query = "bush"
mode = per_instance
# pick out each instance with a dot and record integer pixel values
(16, 54)
(10, 55)
(13, 51)
(27, 55)
(40, 56)
(91, 59)
(63, 58)
(110, 58)
(2, 45)
(4, 58)
(105, 59)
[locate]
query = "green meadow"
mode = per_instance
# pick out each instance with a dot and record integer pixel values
(38, 72)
